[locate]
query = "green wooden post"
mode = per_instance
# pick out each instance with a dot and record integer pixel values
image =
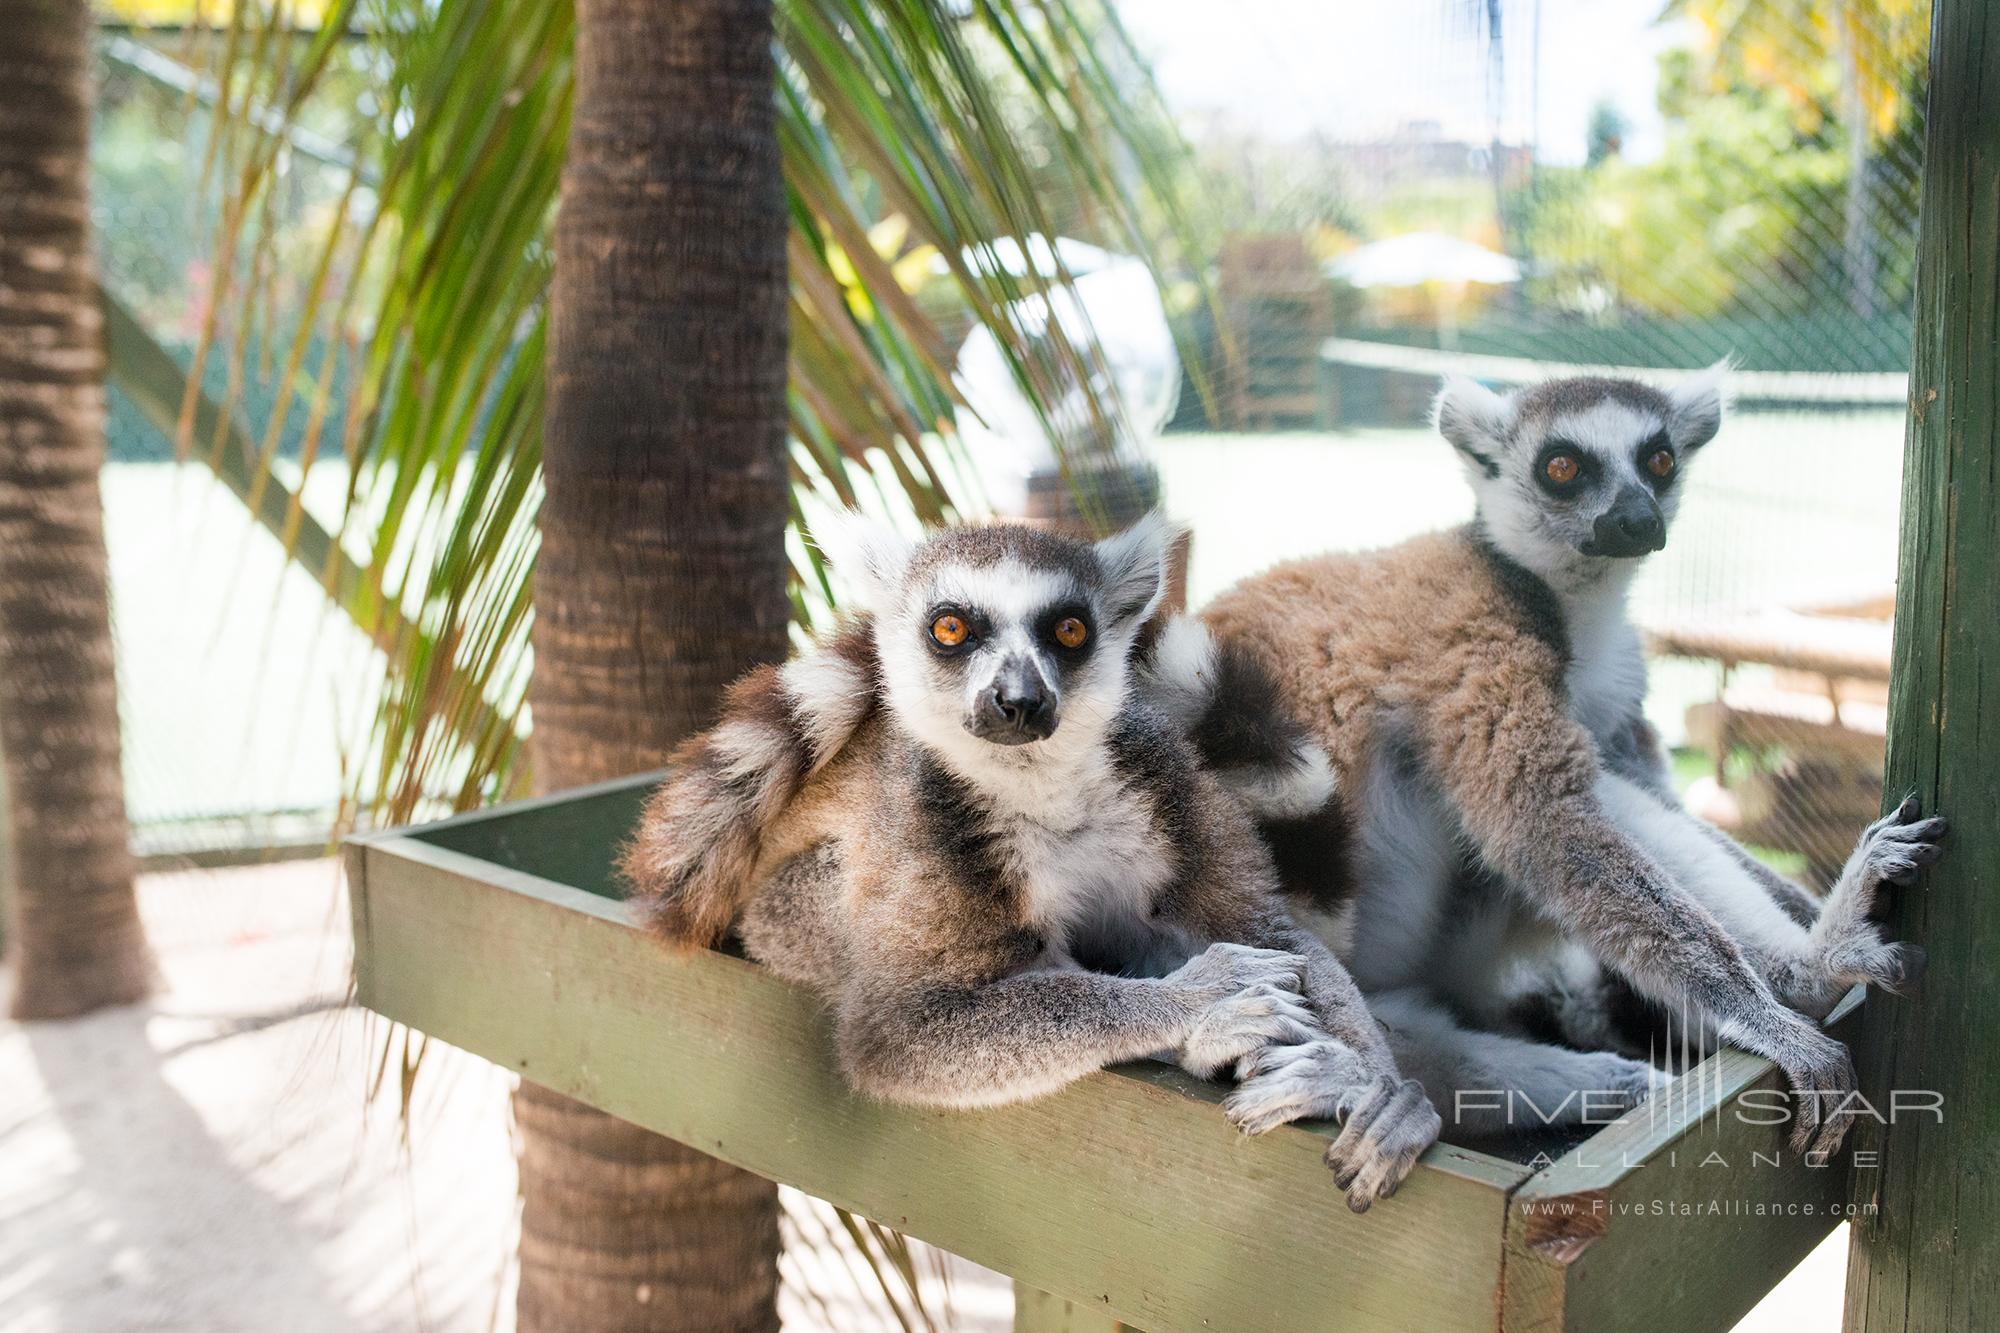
(1930, 1256)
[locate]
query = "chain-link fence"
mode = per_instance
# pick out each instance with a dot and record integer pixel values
(240, 687)
(1744, 184)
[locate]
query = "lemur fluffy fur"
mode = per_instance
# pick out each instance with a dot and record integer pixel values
(1001, 864)
(1226, 703)
(1478, 693)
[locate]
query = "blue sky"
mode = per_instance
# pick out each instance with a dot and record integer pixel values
(1347, 69)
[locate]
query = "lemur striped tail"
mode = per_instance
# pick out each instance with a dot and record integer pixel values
(699, 838)
(1230, 709)
(1228, 706)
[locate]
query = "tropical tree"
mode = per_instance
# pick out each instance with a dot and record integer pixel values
(1787, 186)
(661, 579)
(1718, 223)
(858, 192)
(74, 936)
(1857, 62)
(424, 300)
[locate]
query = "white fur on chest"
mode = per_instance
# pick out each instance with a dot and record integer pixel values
(1606, 680)
(1074, 834)
(1101, 860)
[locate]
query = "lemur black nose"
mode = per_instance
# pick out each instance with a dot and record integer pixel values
(1018, 708)
(1643, 530)
(1015, 712)
(1632, 526)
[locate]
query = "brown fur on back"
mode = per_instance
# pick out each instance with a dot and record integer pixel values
(1424, 631)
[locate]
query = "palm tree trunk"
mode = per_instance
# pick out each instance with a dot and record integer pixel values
(661, 578)
(74, 939)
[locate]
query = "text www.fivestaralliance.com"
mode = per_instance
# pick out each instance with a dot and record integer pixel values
(1607, 1208)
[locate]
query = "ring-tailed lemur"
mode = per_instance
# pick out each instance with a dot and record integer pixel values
(1004, 869)
(1505, 808)
(1490, 1082)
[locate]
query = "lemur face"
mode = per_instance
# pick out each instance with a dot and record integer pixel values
(1580, 470)
(1004, 634)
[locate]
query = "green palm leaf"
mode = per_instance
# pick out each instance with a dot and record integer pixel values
(428, 286)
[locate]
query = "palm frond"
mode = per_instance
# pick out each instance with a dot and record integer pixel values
(427, 287)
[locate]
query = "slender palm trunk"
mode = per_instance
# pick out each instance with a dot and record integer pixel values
(1858, 229)
(74, 937)
(661, 578)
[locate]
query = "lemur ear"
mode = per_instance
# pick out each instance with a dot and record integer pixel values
(869, 556)
(1698, 403)
(1475, 419)
(1134, 563)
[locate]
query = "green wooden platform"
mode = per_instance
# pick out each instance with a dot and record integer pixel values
(1125, 1198)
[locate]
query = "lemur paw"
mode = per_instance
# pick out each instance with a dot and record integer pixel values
(1224, 969)
(1866, 960)
(1897, 846)
(1382, 1139)
(1279, 1084)
(1238, 1025)
(1849, 948)
(1821, 1074)
(1387, 1121)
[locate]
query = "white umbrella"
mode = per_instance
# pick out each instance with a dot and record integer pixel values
(1419, 257)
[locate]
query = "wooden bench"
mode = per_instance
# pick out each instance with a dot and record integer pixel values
(1126, 1197)
(1819, 642)
(1824, 709)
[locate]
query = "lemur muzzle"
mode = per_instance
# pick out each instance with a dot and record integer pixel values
(1632, 526)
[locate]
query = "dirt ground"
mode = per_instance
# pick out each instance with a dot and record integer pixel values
(216, 1161)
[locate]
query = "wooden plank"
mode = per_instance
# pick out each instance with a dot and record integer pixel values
(1930, 1258)
(571, 837)
(1823, 645)
(1689, 1209)
(1798, 724)
(354, 868)
(1127, 1193)
(1038, 1312)
(1747, 385)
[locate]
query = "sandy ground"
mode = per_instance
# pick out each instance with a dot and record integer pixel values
(215, 1161)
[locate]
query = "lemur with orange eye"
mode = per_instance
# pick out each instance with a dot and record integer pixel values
(963, 823)
(1510, 855)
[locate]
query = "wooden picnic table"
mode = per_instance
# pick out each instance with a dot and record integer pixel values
(1837, 646)
(1824, 710)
